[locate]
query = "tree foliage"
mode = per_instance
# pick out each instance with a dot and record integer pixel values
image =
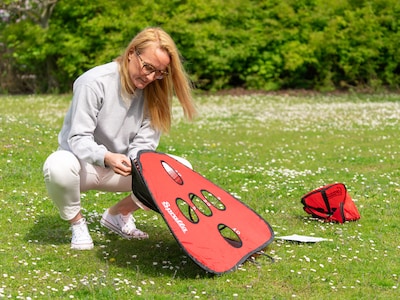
(267, 44)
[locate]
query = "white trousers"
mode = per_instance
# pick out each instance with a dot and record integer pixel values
(66, 177)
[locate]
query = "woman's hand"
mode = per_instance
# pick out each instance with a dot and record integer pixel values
(120, 163)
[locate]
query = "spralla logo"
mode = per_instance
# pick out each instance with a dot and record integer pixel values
(178, 221)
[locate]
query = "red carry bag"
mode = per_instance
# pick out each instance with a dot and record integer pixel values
(215, 229)
(332, 203)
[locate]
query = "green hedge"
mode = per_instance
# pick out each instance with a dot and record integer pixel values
(268, 45)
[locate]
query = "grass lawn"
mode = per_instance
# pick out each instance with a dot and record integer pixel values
(268, 151)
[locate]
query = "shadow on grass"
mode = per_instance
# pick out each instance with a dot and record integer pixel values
(49, 229)
(160, 255)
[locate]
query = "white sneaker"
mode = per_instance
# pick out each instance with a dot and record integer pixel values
(123, 225)
(81, 239)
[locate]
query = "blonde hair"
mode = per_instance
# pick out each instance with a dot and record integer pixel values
(159, 94)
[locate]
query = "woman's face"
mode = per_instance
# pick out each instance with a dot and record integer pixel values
(148, 66)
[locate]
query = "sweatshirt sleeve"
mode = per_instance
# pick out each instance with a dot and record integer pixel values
(147, 138)
(85, 107)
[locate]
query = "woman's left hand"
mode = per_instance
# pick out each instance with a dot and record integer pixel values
(120, 163)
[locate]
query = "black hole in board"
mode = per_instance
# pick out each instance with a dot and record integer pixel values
(187, 210)
(230, 235)
(172, 173)
(215, 201)
(201, 205)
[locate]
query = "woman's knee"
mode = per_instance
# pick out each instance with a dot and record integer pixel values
(61, 167)
(182, 161)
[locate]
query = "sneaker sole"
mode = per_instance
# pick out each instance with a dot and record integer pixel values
(118, 231)
(114, 229)
(82, 246)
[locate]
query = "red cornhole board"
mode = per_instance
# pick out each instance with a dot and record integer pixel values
(215, 229)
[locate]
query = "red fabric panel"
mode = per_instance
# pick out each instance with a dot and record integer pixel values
(350, 210)
(201, 238)
(331, 202)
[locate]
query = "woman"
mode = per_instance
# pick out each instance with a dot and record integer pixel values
(117, 109)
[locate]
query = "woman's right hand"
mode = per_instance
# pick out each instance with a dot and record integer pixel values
(120, 163)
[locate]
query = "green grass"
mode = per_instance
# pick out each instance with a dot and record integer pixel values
(267, 150)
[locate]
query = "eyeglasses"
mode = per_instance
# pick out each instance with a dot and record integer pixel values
(149, 69)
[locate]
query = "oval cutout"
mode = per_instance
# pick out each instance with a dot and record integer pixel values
(230, 236)
(172, 173)
(213, 200)
(201, 205)
(187, 210)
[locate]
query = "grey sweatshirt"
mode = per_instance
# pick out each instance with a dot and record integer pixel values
(99, 120)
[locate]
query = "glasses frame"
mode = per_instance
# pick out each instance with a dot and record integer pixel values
(148, 69)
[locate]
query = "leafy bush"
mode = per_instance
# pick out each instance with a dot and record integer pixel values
(268, 45)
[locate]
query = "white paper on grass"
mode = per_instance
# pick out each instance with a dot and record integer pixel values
(301, 238)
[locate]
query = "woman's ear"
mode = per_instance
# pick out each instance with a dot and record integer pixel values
(131, 53)
(130, 56)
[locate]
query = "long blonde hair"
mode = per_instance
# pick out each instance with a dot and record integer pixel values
(159, 94)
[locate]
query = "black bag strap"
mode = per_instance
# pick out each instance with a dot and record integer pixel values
(325, 197)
